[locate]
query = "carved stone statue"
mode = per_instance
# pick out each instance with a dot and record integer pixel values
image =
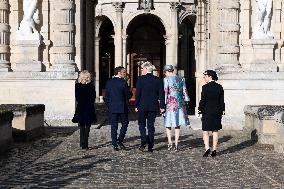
(27, 28)
(263, 22)
(145, 4)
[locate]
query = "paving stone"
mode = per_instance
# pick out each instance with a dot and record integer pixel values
(56, 161)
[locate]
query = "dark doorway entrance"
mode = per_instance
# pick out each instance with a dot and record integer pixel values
(186, 58)
(106, 53)
(145, 43)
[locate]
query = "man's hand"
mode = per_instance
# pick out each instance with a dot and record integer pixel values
(136, 109)
(162, 110)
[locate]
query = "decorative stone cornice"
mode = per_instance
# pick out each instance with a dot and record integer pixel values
(10, 76)
(124, 37)
(228, 4)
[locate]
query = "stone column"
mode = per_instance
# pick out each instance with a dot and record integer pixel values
(124, 42)
(245, 16)
(118, 34)
(277, 29)
(200, 40)
(281, 65)
(4, 33)
(172, 36)
(97, 68)
(229, 32)
(168, 49)
(14, 24)
(63, 50)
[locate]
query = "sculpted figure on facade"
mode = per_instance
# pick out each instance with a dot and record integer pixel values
(27, 28)
(145, 4)
(263, 22)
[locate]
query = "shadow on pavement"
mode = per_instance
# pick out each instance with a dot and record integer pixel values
(22, 154)
(238, 147)
(54, 173)
(192, 143)
(126, 142)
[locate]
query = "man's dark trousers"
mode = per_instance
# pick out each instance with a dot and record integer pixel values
(150, 117)
(123, 117)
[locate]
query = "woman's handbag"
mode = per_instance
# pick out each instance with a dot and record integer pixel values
(75, 118)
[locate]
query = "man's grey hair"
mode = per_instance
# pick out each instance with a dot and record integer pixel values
(147, 65)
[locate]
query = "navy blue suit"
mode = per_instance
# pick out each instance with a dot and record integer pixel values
(149, 99)
(117, 95)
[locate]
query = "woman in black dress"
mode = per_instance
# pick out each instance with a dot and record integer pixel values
(211, 106)
(85, 95)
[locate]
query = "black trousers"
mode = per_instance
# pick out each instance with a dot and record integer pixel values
(84, 134)
(149, 118)
(114, 126)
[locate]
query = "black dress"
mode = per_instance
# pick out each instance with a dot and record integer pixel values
(212, 106)
(85, 95)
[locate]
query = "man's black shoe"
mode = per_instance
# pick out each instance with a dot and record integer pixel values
(142, 148)
(121, 145)
(115, 148)
(150, 149)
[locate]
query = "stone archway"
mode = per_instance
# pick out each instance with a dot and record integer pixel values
(105, 50)
(145, 43)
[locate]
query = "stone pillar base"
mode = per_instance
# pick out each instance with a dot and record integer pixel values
(229, 67)
(4, 66)
(262, 51)
(26, 56)
(63, 67)
(281, 67)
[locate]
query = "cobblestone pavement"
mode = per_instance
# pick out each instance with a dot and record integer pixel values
(56, 161)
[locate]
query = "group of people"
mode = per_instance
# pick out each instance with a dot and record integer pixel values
(153, 96)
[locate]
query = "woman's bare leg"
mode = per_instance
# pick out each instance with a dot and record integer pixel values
(177, 133)
(206, 139)
(215, 140)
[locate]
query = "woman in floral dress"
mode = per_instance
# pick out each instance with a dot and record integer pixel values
(176, 98)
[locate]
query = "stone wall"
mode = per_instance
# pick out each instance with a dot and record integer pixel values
(5, 129)
(279, 143)
(42, 56)
(265, 125)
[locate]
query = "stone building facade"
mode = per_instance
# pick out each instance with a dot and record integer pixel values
(41, 53)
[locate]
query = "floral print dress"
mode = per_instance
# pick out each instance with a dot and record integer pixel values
(175, 98)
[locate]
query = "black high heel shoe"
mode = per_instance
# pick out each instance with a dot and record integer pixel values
(206, 154)
(214, 153)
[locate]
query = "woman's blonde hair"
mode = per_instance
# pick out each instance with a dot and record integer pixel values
(84, 77)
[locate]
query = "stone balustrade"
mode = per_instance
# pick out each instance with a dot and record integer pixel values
(5, 129)
(28, 121)
(261, 124)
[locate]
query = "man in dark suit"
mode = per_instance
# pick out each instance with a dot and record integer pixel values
(117, 95)
(149, 99)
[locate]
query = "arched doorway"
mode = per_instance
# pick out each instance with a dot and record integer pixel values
(106, 55)
(145, 43)
(186, 58)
